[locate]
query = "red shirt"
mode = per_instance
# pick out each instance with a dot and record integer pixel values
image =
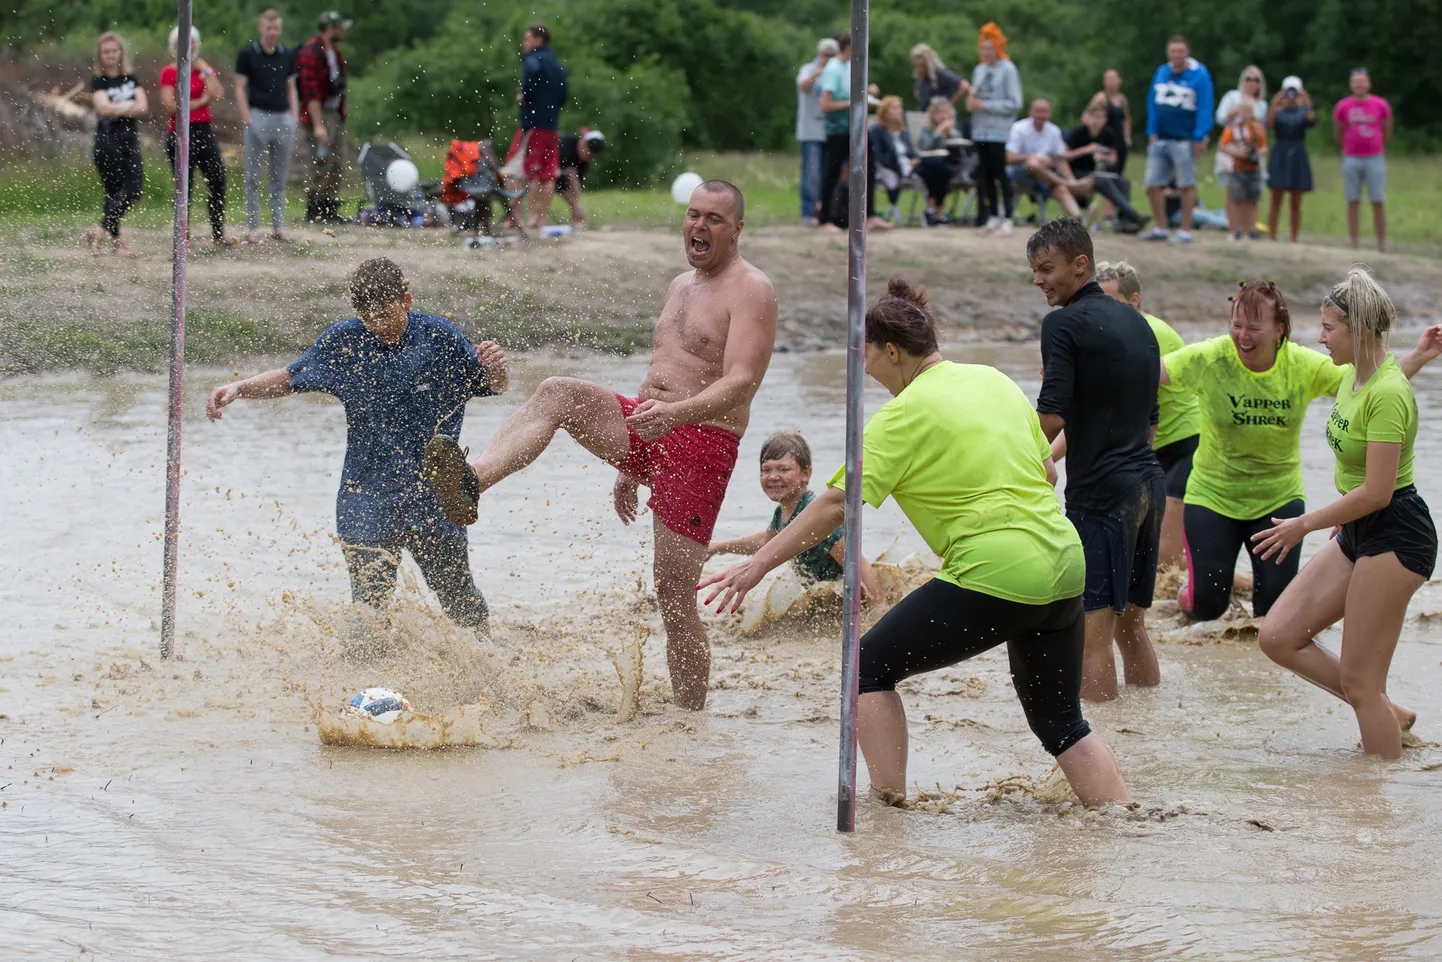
(312, 75)
(197, 90)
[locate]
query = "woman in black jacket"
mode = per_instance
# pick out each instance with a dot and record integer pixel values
(893, 156)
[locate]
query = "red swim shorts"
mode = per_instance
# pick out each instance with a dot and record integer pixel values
(687, 469)
(543, 153)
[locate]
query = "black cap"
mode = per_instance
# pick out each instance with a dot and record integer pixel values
(333, 18)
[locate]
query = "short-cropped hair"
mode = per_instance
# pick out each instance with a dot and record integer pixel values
(1066, 236)
(783, 443)
(376, 283)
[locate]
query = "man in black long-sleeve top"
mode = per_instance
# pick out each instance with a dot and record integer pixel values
(1100, 371)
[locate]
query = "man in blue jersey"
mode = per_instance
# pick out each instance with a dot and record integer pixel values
(1179, 116)
(403, 378)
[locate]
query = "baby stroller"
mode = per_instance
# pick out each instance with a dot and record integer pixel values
(472, 184)
(391, 184)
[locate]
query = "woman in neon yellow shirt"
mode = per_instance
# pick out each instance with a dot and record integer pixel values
(961, 450)
(1254, 386)
(1387, 545)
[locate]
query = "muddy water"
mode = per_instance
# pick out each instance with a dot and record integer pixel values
(186, 810)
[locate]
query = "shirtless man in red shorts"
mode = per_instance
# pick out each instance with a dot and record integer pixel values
(679, 437)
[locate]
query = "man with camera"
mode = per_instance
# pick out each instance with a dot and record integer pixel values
(321, 77)
(1091, 149)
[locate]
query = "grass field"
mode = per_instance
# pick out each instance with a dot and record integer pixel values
(64, 194)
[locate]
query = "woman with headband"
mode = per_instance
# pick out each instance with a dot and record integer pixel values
(1385, 547)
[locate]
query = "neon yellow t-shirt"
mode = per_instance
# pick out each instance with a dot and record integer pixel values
(1180, 416)
(1385, 409)
(962, 452)
(1249, 459)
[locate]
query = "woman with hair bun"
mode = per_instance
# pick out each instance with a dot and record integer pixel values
(961, 450)
(1386, 545)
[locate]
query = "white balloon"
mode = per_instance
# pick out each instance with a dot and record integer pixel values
(684, 186)
(402, 176)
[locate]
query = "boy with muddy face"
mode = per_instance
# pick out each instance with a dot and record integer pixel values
(678, 436)
(404, 377)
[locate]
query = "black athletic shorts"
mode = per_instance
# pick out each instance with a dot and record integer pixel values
(940, 624)
(1176, 461)
(1404, 527)
(1121, 548)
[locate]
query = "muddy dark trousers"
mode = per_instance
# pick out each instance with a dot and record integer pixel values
(444, 562)
(117, 160)
(1118, 191)
(205, 155)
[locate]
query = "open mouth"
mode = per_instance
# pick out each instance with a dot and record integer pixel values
(700, 246)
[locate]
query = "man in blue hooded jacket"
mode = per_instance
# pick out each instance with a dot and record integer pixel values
(1179, 116)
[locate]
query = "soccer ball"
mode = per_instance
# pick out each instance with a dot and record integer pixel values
(381, 704)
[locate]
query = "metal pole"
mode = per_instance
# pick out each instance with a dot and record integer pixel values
(169, 571)
(855, 345)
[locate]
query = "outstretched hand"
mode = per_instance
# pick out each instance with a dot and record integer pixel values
(219, 398)
(497, 365)
(732, 585)
(1286, 535)
(1429, 343)
(651, 419)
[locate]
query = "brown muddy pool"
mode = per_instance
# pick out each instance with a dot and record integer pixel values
(186, 809)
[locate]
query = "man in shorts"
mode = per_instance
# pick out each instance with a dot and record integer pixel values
(1362, 124)
(679, 436)
(535, 150)
(1100, 372)
(1179, 117)
(1036, 158)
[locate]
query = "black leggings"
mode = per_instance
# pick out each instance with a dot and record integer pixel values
(940, 624)
(1212, 542)
(936, 173)
(117, 160)
(205, 154)
(834, 157)
(991, 170)
(444, 562)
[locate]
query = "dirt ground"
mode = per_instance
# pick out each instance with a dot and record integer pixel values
(60, 306)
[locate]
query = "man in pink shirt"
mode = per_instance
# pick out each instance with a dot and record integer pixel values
(1362, 124)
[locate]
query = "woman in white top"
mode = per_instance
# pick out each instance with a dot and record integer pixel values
(1252, 83)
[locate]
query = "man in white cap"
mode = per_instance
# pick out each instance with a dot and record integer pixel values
(811, 127)
(576, 153)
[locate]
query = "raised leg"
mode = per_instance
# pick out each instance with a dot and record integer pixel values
(1376, 607)
(588, 412)
(688, 652)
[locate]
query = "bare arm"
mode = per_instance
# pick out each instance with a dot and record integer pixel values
(1052, 425)
(271, 384)
(241, 100)
(1387, 130)
(807, 530)
(167, 99)
(871, 592)
(1373, 494)
(294, 97)
(750, 544)
(1429, 346)
(1050, 464)
(809, 81)
(1127, 110)
(214, 89)
(1166, 378)
(749, 340)
(830, 105)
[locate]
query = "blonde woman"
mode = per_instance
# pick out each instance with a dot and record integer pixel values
(1386, 546)
(119, 100)
(936, 170)
(893, 157)
(933, 79)
(205, 89)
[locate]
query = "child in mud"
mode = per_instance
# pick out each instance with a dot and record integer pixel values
(403, 377)
(786, 479)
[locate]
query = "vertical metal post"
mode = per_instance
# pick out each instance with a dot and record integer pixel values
(169, 571)
(855, 345)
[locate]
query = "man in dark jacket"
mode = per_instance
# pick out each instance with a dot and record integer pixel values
(535, 150)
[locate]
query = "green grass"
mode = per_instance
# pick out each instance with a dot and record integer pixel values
(60, 195)
(211, 336)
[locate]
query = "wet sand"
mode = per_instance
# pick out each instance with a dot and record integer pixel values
(187, 810)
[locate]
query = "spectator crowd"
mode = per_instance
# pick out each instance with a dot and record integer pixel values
(966, 153)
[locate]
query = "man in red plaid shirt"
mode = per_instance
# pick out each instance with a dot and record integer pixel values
(321, 78)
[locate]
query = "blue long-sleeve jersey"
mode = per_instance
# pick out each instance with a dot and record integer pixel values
(1180, 105)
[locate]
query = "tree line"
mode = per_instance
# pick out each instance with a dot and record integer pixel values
(657, 75)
